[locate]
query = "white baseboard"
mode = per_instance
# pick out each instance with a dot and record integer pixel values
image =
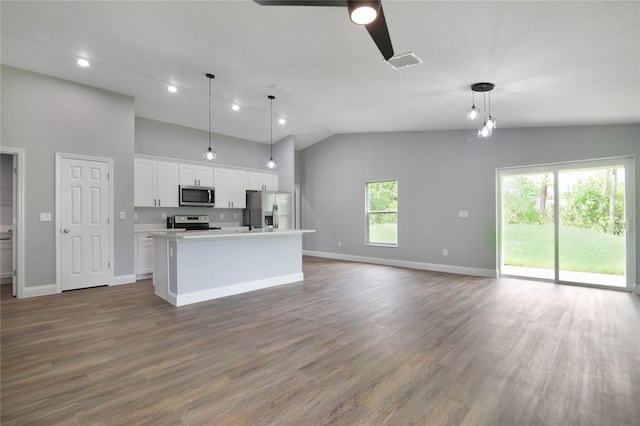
(144, 276)
(462, 270)
(40, 290)
(124, 279)
(216, 293)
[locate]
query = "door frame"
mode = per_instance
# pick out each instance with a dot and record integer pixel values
(18, 227)
(630, 202)
(109, 161)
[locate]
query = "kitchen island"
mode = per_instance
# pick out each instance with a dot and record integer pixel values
(195, 266)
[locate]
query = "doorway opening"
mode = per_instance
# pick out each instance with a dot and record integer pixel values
(569, 223)
(12, 219)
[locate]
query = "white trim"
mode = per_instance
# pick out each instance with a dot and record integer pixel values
(144, 276)
(124, 279)
(39, 290)
(58, 208)
(451, 269)
(230, 290)
(19, 229)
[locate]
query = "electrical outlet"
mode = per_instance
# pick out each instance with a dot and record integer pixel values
(164, 215)
(235, 215)
(463, 213)
(445, 252)
(221, 215)
(339, 243)
(123, 215)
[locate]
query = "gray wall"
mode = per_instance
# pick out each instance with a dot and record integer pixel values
(6, 189)
(284, 154)
(439, 173)
(185, 143)
(44, 115)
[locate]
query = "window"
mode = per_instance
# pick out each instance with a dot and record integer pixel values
(382, 213)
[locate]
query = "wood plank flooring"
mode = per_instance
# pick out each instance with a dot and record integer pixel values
(354, 344)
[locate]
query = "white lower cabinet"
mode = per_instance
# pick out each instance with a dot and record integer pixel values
(6, 261)
(144, 254)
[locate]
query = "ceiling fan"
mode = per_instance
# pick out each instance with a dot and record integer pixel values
(367, 13)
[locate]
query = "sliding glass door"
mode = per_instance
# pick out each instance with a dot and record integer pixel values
(527, 225)
(569, 222)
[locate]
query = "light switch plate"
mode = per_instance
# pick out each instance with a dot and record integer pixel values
(123, 216)
(45, 217)
(463, 213)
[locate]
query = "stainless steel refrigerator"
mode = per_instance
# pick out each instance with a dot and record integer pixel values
(266, 209)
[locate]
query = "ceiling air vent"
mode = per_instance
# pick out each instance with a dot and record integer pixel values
(403, 61)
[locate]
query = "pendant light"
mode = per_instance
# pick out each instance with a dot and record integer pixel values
(489, 122)
(473, 112)
(209, 154)
(485, 130)
(272, 163)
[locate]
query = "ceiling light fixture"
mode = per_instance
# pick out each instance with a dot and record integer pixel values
(363, 12)
(282, 121)
(235, 107)
(83, 63)
(489, 122)
(209, 154)
(172, 89)
(272, 163)
(473, 112)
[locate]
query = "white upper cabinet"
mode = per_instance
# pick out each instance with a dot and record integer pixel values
(195, 175)
(144, 183)
(155, 183)
(231, 186)
(263, 181)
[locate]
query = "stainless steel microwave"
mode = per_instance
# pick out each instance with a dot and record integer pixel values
(202, 196)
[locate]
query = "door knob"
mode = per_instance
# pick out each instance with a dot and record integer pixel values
(66, 231)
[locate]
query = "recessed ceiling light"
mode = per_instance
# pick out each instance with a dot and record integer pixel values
(235, 107)
(282, 121)
(83, 63)
(172, 89)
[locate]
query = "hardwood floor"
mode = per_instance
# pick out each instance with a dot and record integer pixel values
(352, 344)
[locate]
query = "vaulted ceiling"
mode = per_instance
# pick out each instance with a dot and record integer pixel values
(553, 63)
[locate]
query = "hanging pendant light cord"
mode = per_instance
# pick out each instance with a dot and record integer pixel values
(271, 130)
(484, 103)
(209, 113)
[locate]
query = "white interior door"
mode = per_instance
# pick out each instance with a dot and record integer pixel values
(84, 219)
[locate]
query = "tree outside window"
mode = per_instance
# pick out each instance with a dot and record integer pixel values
(382, 213)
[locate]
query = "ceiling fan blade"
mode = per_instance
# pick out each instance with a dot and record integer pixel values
(301, 2)
(380, 34)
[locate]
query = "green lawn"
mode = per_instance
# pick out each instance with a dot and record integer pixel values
(581, 250)
(383, 233)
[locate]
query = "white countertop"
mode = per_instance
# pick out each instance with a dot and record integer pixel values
(226, 234)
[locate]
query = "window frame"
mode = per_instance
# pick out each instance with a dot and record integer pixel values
(367, 238)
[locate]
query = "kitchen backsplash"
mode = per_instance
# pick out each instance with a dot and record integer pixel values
(222, 217)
